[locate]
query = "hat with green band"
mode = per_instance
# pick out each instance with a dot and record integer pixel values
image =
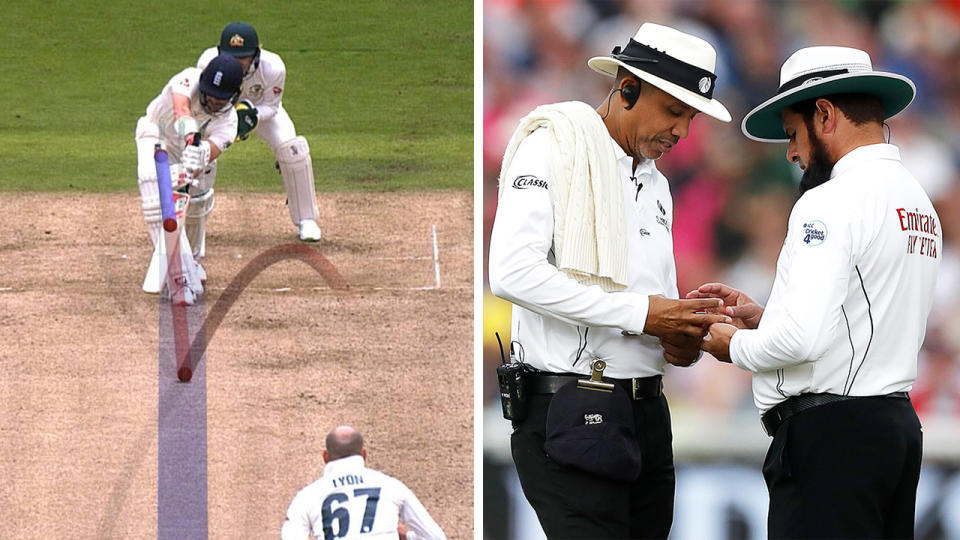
(816, 72)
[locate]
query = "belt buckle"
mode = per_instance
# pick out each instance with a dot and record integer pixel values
(635, 386)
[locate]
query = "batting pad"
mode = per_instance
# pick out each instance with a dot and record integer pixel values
(296, 167)
(195, 222)
(157, 270)
(152, 217)
(191, 275)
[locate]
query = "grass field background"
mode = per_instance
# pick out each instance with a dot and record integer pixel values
(382, 90)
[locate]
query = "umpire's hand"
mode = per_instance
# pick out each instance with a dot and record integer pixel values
(717, 341)
(666, 317)
(745, 311)
(681, 350)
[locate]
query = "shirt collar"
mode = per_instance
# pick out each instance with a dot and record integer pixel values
(645, 167)
(343, 464)
(862, 154)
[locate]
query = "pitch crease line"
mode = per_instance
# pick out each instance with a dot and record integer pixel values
(436, 257)
(425, 258)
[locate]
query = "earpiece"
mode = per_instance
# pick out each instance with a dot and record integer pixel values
(631, 94)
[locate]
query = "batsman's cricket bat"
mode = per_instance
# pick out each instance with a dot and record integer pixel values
(172, 207)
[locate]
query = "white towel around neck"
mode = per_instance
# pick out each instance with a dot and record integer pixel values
(589, 226)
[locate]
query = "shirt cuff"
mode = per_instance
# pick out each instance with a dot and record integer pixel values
(641, 306)
(736, 349)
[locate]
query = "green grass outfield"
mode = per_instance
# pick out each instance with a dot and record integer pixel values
(382, 90)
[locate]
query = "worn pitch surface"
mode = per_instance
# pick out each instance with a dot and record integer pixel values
(292, 359)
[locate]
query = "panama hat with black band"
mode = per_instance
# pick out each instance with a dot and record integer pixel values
(816, 72)
(680, 64)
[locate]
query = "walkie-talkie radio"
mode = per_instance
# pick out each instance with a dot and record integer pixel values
(513, 388)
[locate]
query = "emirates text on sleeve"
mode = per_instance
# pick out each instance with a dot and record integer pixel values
(922, 223)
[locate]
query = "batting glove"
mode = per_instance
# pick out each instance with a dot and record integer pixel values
(195, 158)
(180, 177)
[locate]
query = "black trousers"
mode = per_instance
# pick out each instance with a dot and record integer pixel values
(847, 469)
(574, 504)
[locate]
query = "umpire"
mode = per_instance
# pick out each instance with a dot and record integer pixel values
(835, 350)
(582, 246)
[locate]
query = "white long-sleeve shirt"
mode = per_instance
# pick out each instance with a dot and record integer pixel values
(854, 286)
(560, 324)
(351, 501)
(263, 86)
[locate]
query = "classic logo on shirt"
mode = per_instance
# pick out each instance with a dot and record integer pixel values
(814, 232)
(523, 182)
(589, 419)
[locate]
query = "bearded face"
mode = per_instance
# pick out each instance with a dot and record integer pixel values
(819, 167)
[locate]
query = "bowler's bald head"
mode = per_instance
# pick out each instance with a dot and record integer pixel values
(344, 441)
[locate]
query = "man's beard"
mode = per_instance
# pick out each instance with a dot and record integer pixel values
(819, 169)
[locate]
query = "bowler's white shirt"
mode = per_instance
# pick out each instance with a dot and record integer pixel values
(220, 128)
(854, 286)
(561, 325)
(263, 87)
(365, 502)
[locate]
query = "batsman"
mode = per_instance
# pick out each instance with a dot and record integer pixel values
(261, 111)
(193, 120)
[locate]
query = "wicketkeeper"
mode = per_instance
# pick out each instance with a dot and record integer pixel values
(193, 104)
(261, 112)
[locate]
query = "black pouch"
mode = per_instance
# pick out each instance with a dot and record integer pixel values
(513, 391)
(593, 430)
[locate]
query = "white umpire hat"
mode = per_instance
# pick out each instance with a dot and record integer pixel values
(815, 72)
(680, 64)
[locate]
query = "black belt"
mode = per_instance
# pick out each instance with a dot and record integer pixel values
(638, 388)
(776, 416)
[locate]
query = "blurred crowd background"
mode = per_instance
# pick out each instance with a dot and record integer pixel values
(731, 195)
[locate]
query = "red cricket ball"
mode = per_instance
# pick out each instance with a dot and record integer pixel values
(184, 374)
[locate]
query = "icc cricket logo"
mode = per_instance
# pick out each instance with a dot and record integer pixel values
(814, 233)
